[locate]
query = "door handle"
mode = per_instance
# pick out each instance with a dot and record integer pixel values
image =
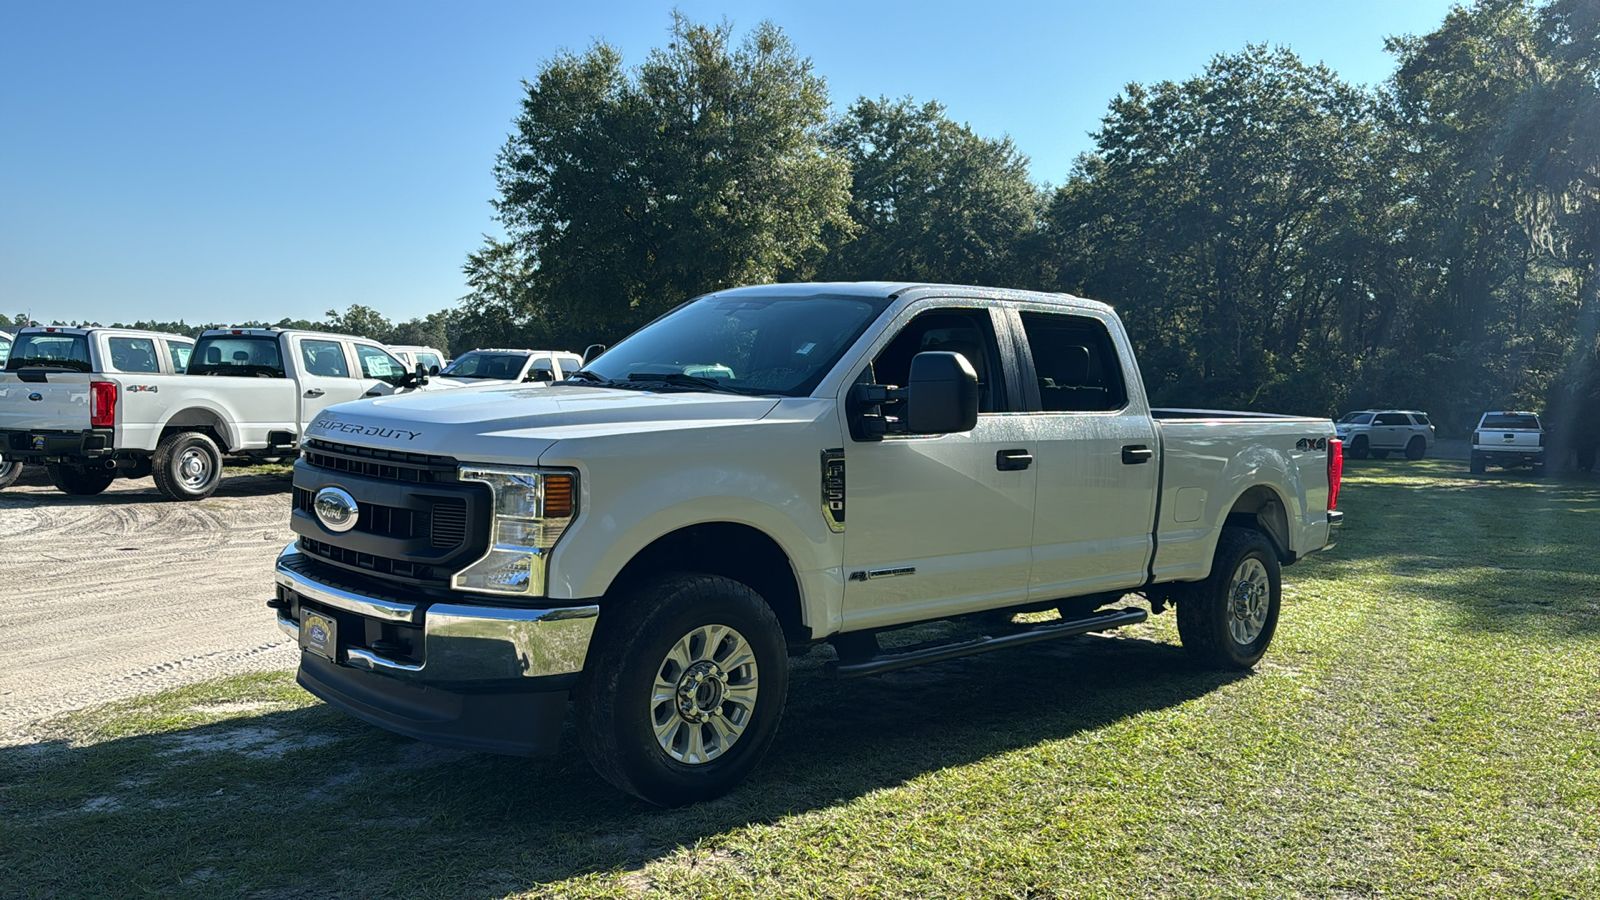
(1137, 454)
(1012, 460)
(315, 392)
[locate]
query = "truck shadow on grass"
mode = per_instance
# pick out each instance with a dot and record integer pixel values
(1502, 552)
(309, 802)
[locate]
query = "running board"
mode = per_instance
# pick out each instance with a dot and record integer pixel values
(921, 654)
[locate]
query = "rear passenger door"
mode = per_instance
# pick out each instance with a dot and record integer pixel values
(1095, 505)
(1391, 430)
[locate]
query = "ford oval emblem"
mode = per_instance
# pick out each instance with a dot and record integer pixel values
(336, 509)
(36, 396)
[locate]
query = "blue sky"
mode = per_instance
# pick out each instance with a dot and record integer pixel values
(225, 161)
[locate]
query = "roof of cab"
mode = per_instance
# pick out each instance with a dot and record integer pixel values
(895, 290)
(64, 329)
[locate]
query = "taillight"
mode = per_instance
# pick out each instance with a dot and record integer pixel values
(1477, 437)
(102, 404)
(1335, 471)
(1541, 439)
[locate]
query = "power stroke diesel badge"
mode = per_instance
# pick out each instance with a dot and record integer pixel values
(336, 509)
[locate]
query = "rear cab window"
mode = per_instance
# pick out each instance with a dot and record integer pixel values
(1510, 422)
(239, 355)
(50, 350)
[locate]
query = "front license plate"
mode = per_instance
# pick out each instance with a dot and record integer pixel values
(320, 635)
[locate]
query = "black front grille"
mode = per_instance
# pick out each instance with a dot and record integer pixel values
(449, 525)
(377, 565)
(390, 465)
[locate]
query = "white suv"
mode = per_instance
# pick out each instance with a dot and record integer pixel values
(1377, 432)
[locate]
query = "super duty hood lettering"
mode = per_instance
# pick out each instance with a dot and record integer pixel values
(330, 424)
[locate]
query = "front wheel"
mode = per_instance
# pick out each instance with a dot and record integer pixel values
(1227, 620)
(1358, 447)
(683, 689)
(187, 466)
(80, 480)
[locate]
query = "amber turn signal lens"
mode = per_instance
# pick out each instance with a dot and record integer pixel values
(557, 497)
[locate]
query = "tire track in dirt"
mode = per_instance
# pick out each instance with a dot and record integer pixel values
(125, 593)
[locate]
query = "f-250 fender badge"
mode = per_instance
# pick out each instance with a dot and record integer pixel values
(833, 488)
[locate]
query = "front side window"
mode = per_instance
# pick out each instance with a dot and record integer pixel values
(238, 355)
(752, 343)
(969, 332)
(180, 355)
(377, 363)
(324, 359)
(133, 354)
(1075, 363)
(49, 350)
(1356, 418)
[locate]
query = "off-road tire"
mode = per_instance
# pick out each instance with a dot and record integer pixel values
(1358, 447)
(186, 466)
(80, 480)
(10, 471)
(1416, 449)
(1206, 609)
(613, 700)
(1478, 465)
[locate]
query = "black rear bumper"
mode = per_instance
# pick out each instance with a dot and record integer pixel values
(41, 447)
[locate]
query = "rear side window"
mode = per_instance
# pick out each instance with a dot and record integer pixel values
(238, 355)
(1075, 363)
(180, 355)
(324, 358)
(43, 349)
(1393, 419)
(130, 354)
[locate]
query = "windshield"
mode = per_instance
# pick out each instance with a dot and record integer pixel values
(751, 344)
(1356, 418)
(478, 364)
(50, 350)
(1515, 422)
(237, 354)
(5, 347)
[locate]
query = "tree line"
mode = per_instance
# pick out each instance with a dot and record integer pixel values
(1275, 238)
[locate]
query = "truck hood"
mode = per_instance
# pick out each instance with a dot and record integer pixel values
(514, 425)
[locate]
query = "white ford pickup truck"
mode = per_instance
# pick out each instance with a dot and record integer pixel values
(760, 471)
(247, 392)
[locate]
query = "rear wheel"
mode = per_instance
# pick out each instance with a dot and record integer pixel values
(683, 689)
(81, 480)
(1358, 447)
(10, 471)
(1227, 620)
(187, 466)
(1416, 449)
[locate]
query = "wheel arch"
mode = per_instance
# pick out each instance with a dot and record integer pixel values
(1261, 507)
(733, 550)
(203, 419)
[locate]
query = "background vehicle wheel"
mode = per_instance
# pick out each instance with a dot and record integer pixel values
(1380, 454)
(81, 480)
(10, 471)
(1416, 449)
(1227, 620)
(187, 466)
(141, 469)
(1358, 447)
(683, 688)
(1478, 465)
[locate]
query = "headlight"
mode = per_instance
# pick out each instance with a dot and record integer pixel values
(532, 507)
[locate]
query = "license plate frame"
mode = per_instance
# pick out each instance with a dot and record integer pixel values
(319, 634)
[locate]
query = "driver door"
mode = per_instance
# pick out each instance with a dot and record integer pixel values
(381, 372)
(940, 524)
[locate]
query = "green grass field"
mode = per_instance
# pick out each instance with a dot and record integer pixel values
(1427, 724)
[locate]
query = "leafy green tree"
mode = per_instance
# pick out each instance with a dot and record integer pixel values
(628, 192)
(360, 320)
(930, 200)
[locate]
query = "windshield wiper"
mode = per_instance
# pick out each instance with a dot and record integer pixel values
(586, 378)
(685, 380)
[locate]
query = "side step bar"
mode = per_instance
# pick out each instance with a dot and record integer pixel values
(919, 654)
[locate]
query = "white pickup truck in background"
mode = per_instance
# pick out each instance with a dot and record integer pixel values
(477, 368)
(1508, 439)
(758, 472)
(87, 416)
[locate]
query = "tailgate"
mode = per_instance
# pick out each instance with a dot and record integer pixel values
(57, 401)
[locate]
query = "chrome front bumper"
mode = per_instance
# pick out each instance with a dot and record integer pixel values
(461, 643)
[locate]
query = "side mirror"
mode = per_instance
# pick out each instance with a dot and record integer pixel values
(942, 396)
(433, 370)
(417, 378)
(592, 352)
